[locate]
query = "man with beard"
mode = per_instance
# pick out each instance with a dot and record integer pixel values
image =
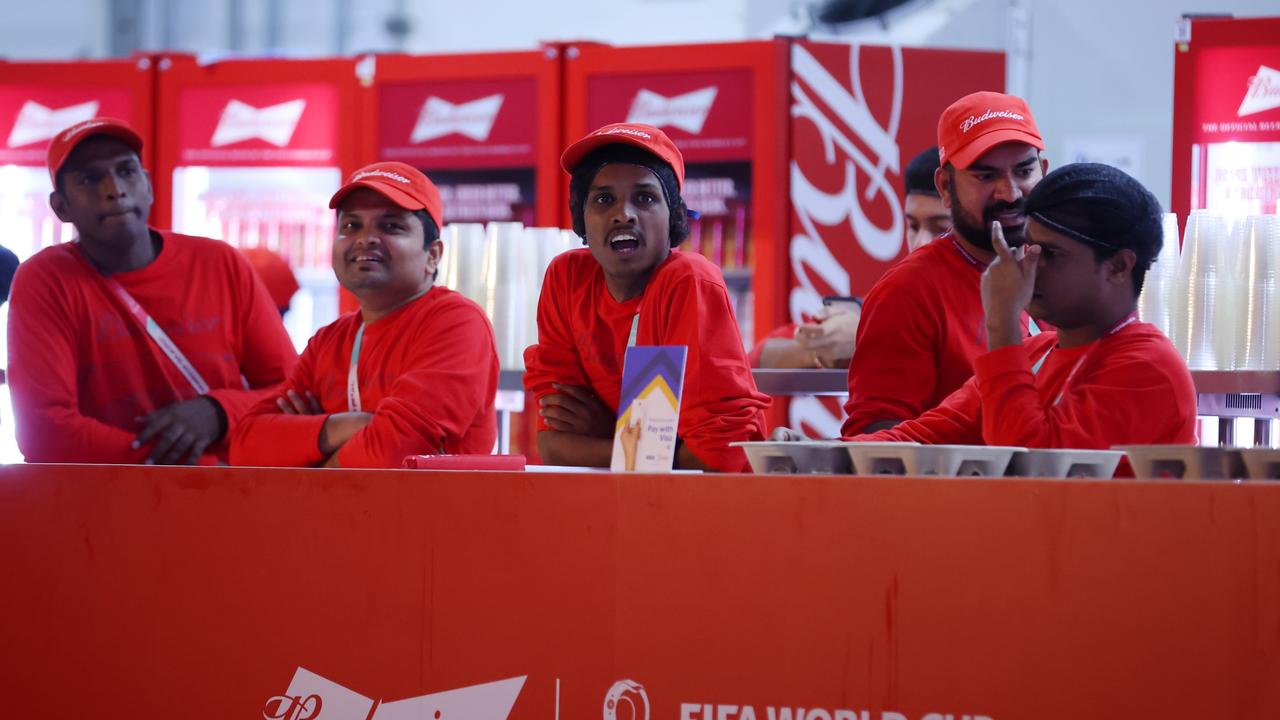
(922, 323)
(1102, 378)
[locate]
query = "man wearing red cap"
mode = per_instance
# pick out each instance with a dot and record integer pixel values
(413, 371)
(132, 344)
(631, 286)
(922, 323)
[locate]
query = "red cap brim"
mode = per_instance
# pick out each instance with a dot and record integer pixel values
(980, 145)
(387, 190)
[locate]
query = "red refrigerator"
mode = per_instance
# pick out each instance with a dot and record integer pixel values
(250, 152)
(37, 100)
(484, 127)
(1226, 117)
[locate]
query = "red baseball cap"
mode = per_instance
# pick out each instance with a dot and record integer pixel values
(275, 273)
(645, 137)
(402, 184)
(65, 142)
(978, 122)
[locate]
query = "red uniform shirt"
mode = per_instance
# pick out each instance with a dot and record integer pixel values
(82, 368)
(428, 372)
(922, 326)
(583, 334)
(1127, 388)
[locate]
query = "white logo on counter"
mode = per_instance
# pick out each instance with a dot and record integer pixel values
(311, 696)
(36, 122)
(1263, 93)
(687, 112)
(472, 119)
(629, 694)
(274, 124)
(695, 711)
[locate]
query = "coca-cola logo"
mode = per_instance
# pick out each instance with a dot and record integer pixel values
(1263, 93)
(841, 216)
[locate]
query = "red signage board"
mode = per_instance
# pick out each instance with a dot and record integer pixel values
(138, 592)
(30, 115)
(706, 113)
(459, 125)
(1237, 94)
(258, 125)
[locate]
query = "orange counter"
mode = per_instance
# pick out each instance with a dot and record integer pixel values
(324, 595)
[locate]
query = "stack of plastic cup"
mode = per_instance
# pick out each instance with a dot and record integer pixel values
(1199, 276)
(463, 258)
(1159, 298)
(1260, 349)
(509, 280)
(1229, 307)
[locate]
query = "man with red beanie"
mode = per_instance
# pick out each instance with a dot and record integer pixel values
(922, 322)
(133, 344)
(632, 286)
(414, 371)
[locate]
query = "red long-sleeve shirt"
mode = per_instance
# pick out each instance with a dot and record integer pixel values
(922, 325)
(1128, 388)
(428, 372)
(82, 368)
(582, 340)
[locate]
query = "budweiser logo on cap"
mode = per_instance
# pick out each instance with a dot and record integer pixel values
(627, 131)
(381, 173)
(972, 120)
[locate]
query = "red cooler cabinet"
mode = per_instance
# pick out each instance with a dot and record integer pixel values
(484, 127)
(250, 152)
(37, 101)
(1226, 117)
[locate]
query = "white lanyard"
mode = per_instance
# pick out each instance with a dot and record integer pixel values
(635, 330)
(353, 384)
(157, 333)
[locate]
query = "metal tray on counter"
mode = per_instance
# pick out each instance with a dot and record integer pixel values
(799, 457)
(1056, 463)
(1184, 462)
(880, 458)
(1262, 463)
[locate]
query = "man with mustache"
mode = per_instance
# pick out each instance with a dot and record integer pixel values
(132, 344)
(922, 323)
(413, 372)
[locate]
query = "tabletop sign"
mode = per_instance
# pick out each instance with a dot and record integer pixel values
(649, 411)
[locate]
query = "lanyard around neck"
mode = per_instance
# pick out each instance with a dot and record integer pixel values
(353, 384)
(153, 330)
(1128, 320)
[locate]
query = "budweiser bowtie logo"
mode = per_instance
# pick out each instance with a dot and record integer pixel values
(687, 112)
(36, 122)
(1263, 93)
(472, 119)
(311, 697)
(241, 121)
